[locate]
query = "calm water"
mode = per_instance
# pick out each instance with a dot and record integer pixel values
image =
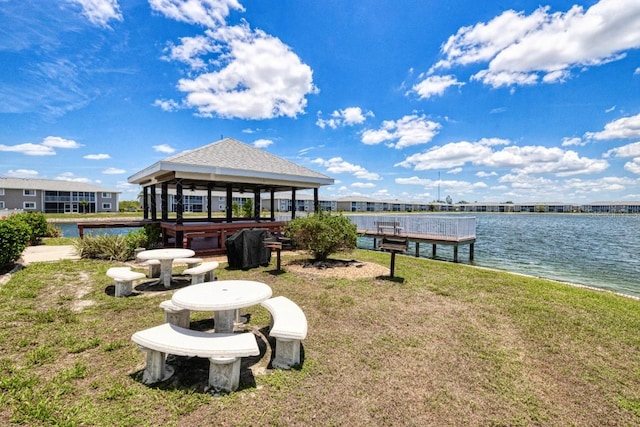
(592, 250)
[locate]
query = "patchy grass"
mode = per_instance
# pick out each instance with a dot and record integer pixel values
(445, 344)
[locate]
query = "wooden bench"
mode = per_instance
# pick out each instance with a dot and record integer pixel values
(288, 327)
(123, 279)
(176, 315)
(394, 245)
(224, 352)
(203, 272)
(386, 226)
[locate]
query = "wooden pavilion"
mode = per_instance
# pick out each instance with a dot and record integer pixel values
(227, 165)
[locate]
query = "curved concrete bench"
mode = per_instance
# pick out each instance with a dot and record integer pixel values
(176, 315)
(288, 327)
(223, 351)
(203, 272)
(123, 278)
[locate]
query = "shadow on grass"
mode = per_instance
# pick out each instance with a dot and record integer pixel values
(394, 279)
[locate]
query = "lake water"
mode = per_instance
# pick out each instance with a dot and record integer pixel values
(592, 250)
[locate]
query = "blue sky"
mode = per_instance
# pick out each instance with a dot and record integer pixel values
(406, 99)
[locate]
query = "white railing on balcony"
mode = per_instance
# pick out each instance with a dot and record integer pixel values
(445, 227)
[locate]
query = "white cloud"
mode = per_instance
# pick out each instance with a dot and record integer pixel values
(29, 149)
(457, 187)
(629, 150)
(209, 13)
(70, 176)
(483, 174)
(363, 185)
(405, 132)
(190, 49)
(22, 173)
(100, 12)
(101, 156)
(168, 105)
(545, 46)
(348, 117)
(633, 166)
(435, 85)
(525, 160)
(568, 142)
(259, 77)
(57, 142)
(624, 128)
(454, 171)
(164, 148)
(338, 165)
(262, 143)
(113, 171)
(452, 155)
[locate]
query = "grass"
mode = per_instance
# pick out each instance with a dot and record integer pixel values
(445, 344)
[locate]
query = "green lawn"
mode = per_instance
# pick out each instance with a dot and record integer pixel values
(441, 344)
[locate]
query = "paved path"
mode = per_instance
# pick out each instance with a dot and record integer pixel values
(43, 253)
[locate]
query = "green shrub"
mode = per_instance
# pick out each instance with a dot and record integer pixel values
(14, 237)
(322, 234)
(36, 222)
(53, 230)
(104, 246)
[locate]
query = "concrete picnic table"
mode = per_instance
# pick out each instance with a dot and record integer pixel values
(166, 257)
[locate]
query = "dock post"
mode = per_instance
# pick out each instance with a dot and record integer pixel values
(471, 252)
(433, 250)
(417, 249)
(455, 253)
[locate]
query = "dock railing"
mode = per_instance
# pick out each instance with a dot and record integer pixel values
(447, 228)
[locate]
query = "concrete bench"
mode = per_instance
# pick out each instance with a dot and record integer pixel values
(224, 352)
(154, 265)
(123, 278)
(204, 272)
(176, 315)
(385, 226)
(288, 327)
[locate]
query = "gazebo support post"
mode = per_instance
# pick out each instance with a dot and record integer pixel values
(273, 205)
(154, 208)
(209, 188)
(293, 204)
(316, 201)
(179, 212)
(257, 204)
(145, 202)
(164, 201)
(229, 203)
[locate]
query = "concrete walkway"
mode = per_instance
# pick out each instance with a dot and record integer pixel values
(43, 253)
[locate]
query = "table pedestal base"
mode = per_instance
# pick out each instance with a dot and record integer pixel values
(224, 374)
(224, 321)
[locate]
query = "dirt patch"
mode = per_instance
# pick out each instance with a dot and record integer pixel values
(345, 269)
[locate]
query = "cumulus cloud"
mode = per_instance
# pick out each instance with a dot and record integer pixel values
(624, 128)
(22, 173)
(459, 187)
(629, 150)
(262, 143)
(405, 132)
(45, 148)
(338, 165)
(100, 12)
(524, 160)
(234, 71)
(544, 46)
(208, 13)
(164, 148)
(348, 117)
(29, 149)
(101, 156)
(363, 185)
(70, 176)
(113, 171)
(435, 86)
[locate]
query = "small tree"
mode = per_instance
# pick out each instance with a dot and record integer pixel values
(235, 209)
(247, 208)
(322, 234)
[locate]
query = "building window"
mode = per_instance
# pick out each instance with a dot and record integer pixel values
(106, 206)
(1, 191)
(222, 207)
(29, 205)
(1, 205)
(29, 193)
(106, 195)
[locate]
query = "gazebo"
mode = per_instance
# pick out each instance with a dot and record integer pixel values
(227, 165)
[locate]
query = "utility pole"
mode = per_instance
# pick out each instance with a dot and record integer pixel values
(438, 186)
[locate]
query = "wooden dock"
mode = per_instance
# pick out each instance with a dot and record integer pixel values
(418, 238)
